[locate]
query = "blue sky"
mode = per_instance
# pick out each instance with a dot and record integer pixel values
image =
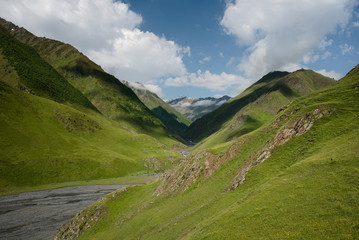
(199, 48)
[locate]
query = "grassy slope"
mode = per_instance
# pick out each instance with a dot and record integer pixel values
(255, 106)
(112, 98)
(55, 134)
(36, 75)
(176, 122)
(307, 189)
(46, 142)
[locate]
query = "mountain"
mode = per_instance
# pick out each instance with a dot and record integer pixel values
(194, 108)
(256, 105)
(50, 132)
(173, 120)
(111, 97)
(295, 177)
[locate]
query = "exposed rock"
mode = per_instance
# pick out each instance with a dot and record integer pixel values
(239, 120)
(194, 166)
(86, 218)
(297, 128)
(76, 121)
(154, 163)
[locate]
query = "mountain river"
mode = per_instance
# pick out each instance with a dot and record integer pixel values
(38, 215)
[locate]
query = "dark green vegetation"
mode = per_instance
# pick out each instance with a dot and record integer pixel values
(256, 105)
(51, 133)
(173, 120)
(295, 177)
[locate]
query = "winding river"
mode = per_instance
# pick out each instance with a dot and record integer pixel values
(38, 215)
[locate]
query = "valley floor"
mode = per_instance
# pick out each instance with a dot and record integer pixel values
(38, 215)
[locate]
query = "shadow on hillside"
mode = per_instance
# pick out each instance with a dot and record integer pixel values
(212, 122)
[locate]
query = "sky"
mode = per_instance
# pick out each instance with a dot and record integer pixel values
(199, 48)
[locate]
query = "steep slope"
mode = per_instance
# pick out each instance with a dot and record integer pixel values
(37, 76)
(51, 133)
(112, 98)
(174, 121)
(256, 105)
(293, 178)
(194, 108)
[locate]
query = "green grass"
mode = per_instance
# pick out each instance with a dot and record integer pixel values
(112, 98)
(307, 189)
(44, 142)
(36, 75)
(259, 102)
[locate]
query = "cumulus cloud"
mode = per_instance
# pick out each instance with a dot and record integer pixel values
(331, 74)
(211, 81)
(105, 30)
(278, 34)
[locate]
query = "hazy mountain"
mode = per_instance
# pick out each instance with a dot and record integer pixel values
(176, 122)
(256, 105)
(194, 108)
(292, 176)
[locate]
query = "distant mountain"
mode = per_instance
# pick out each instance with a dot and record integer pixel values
(51, 133)
(194, 108)
(176, 122)
(256, 105)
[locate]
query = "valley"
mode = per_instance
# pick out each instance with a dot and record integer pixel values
(85, 155)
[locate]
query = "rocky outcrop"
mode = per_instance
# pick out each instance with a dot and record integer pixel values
(296, 128)
(86, 218)
(192, 168)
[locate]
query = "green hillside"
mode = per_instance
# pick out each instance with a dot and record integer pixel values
(255, 106)
(51, 133)
(112, 98)
(176, 122)
(295, 177)
(37, 76)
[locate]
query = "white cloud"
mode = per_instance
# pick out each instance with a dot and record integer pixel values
(356, 24)
(205, 59)
(214, 82)
(182, 104)
(155, 89)
(331, 74)
(204, 103)
(279, 33)
(147, 87)
(105, 30)
(346, 48)
(326, 54)
(325, 43)
(141, 56)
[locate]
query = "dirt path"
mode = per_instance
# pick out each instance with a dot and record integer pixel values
(38, 215)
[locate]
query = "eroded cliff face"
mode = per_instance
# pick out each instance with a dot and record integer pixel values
(283, 135)
(205, 164)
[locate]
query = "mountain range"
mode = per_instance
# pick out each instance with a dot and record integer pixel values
(278, 161)
(194, 108)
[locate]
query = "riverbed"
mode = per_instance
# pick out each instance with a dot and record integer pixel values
(38, 215)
